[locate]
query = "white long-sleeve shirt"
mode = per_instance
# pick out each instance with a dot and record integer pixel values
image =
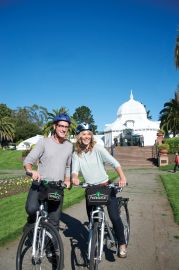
(54, 159)
(91, 164)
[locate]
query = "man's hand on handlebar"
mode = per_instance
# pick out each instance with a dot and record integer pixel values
(35, 175)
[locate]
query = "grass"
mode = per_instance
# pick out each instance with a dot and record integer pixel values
(171, 184)
(167, 167)
(13, 215)
(11, 160)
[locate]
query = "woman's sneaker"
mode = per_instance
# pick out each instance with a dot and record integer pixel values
(122, 251)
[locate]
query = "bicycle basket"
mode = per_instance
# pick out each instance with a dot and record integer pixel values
(98, 195)
(50, 192)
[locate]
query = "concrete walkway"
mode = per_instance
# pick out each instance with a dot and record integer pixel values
(154, 243)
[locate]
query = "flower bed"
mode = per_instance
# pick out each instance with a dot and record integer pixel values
(14, 185)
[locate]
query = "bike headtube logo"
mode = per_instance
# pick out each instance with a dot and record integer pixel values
(55, 196)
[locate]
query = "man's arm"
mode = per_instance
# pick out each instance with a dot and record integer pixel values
(35, 174)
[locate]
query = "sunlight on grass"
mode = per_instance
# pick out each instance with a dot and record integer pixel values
(171, 184)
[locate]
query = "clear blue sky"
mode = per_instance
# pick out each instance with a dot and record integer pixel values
(91, 52)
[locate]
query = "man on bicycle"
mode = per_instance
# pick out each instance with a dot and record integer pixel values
(53, 155)
(89, 158)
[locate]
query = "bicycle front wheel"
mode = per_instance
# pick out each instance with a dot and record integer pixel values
(124, 214)
(95, 248)
(49, 254)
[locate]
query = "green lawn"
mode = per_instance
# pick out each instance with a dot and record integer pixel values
(13, 215)
(11, 160)
(171, 184)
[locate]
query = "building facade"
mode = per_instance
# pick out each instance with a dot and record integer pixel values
(132, 127)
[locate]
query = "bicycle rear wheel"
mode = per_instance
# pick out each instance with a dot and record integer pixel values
(95, 248)
(50, 258)
(124, 214)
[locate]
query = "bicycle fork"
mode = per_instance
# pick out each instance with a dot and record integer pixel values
(37, 244)
(98, 216)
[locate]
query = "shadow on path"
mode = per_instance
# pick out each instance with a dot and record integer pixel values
(78, 235)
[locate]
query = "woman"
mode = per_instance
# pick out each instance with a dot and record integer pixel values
(89, 158)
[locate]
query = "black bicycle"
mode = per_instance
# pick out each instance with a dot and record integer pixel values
(41, 247)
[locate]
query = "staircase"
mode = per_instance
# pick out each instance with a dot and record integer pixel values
(135, 157)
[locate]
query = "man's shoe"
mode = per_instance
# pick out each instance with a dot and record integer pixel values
(122, 251)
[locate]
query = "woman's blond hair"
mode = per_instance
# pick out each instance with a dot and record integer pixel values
(79, 148)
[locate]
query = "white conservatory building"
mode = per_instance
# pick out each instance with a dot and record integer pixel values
(131, 124)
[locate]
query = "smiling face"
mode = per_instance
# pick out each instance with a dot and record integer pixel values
(61, 129)
(85, 137)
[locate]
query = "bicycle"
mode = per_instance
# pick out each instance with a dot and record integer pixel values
(41, 246)
(99, 228)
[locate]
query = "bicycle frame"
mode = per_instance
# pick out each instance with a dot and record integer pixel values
(99, 215)
(42, 213)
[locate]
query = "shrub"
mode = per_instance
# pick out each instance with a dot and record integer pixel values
(163, 146)
(173, 143)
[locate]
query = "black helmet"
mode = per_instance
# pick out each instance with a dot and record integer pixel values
(82, 127)
(62, 117)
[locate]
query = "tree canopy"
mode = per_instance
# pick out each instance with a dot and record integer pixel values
(169, 116)
(84, 114)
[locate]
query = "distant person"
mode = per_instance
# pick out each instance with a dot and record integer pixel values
(176, 162)
(115, 142)
(54, 155)
(141, 141)
(89, 159)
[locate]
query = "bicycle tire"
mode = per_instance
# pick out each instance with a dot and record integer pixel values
(95, 248)
(124, 214)
(53, 255)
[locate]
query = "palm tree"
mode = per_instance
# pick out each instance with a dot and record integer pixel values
(169, 116)
(6, 129)
(48, 128)
(177, 51)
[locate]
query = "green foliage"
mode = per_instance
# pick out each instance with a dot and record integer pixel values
(24, 127)
(37, 115)
(26, 130)
(6, 129)
(5, 111)
(84, 114)
(163, 146)
(171, 184)
(173, 143)
(25, 153)
(169, 116)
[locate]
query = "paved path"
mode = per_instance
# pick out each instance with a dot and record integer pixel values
(153, 242)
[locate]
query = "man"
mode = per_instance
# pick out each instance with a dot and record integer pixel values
(53, 155)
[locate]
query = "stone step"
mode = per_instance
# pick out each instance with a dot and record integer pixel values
(134, 156)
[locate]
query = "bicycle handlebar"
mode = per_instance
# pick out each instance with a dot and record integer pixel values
(112, 185)
(60, 182)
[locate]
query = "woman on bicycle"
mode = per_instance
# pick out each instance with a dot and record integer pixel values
(89, 158)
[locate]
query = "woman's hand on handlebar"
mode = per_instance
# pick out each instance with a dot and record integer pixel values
(122, 182)
(76, 181)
